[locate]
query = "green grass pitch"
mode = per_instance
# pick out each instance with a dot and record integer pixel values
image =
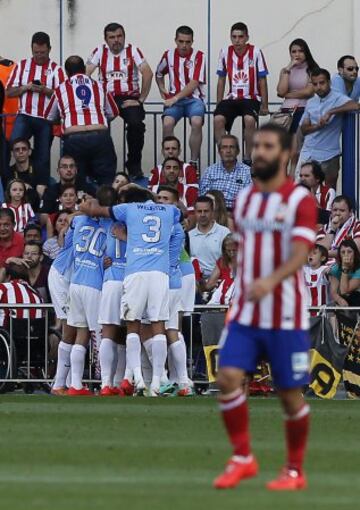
(93, 453)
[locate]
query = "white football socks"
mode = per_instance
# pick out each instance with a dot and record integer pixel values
(178, 355)
(77, 361)
(120, 365)
(146, 367)
(159, 355)
(63, 364)
(106, 354)
(133, 357)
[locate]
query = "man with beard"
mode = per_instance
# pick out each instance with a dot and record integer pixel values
(275, 222)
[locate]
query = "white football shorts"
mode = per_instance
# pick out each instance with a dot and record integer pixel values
(188, 291)
(175, 306)
(59, 292)
(110, 304)
(84, 305)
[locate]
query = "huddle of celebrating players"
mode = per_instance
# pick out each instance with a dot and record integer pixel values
(124, 265)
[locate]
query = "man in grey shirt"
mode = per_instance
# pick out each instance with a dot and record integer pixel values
(207, 236)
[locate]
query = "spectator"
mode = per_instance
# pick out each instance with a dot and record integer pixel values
(346, 81)
(187, 192)
(15, 196)
(23, 168)
(33, 80)
(121, 179)
(55, 240)
(8, 108)
(223, 275)
(321, 125)
(221, 214)
(206, 238)
(15, 289)
(85, 110)
(312, 176)
(171, 148)
(68, 174)
(296, 88)
(345, 275)
(228, 176)
(316, 277)
(184, 97)
(11, 242)
(32, 232)
(68, 199)
(119, 67)
(245, 67)
(342, 225)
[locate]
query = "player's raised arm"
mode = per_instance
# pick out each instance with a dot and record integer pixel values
(91, 207)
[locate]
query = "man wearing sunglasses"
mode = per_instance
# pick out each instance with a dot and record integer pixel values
(347, 80)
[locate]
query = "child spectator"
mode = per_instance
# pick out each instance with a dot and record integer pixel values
(56, 233)
(316, 280)
(16, 201)
(222, 216)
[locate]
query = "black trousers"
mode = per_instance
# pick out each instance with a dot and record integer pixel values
(94, 153)
(133, 116)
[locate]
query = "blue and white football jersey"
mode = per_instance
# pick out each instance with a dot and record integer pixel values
(116, 250)
(65, 258)
(176, 244)
(89, 242)
(149, 229)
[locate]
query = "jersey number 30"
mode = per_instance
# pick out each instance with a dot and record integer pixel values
(154, 224)
(89, 238)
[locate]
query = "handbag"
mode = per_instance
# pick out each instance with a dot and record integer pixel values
(283, 118)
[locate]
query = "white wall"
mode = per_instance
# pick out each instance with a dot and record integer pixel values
(329, 27)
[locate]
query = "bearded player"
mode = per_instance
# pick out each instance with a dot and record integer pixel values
(275, 223)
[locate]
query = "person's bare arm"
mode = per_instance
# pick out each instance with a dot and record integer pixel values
(348, 284)
(307, 128)
(283, 83)
(18, 91)
(263, 286)
(263, 88)
(334, 292)
(90, 68)
(304, 93)
(220, 89)
(147, 76)
(213, 279)
(160, 81)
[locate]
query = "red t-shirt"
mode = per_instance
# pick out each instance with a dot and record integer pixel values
(13, 248)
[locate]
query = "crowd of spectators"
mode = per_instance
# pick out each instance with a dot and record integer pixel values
(51, 101)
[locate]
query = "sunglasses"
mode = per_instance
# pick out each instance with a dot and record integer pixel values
(352, 68)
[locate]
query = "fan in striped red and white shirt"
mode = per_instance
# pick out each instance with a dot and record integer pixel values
(267, 225)
(316, 279)
(18, 291)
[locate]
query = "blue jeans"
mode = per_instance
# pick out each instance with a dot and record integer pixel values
(186, 107)
(26, 127)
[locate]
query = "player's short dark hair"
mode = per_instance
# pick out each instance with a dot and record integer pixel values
(169, 189)
(106, 195)
(74, 65)
(22, 140)
(323, 251)
(283, 136)
(112, 27)
(185, 30)
(344, 198)
(317, 171)
(239, 26)
(341, 61)
(172, 158)
(35, 243)
(137, 195)
(321, 71)
(203, 199)
(32, 226)
(123, 174)
(40, 38)
(170, 138)
(17, 272)
(7, 213)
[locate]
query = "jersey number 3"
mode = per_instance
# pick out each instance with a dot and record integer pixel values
(154, 224)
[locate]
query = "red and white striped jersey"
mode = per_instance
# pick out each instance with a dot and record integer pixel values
(119, 73)
(183, 69)
(243, 71)
(26, 71)
(267, 224)
(317, 285)
(81, 101)
(23, 214)
(187, 176)
(349, 230)
(19, 292)
(325, 196)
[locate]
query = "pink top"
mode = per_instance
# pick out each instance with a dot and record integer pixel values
(298, 80)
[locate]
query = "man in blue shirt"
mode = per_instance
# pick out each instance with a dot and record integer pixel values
(321, 125)
(89, 244)
(228, 176)
(346, 80)
(59, 282)
(150, 228)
